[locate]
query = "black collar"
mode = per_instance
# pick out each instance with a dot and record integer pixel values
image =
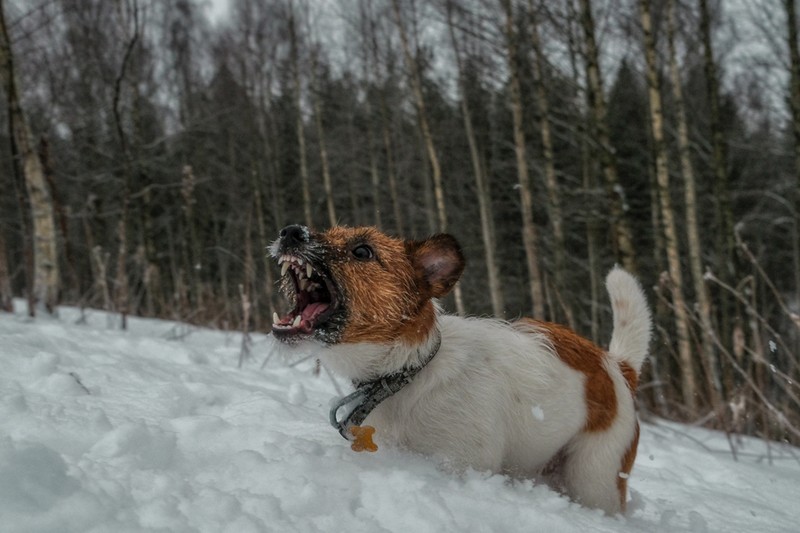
(369, 394)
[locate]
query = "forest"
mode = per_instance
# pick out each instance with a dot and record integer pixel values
(151, 150)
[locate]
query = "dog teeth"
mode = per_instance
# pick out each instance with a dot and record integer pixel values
(297, 263)
(296, 321)
(275, 318)
(303, 284)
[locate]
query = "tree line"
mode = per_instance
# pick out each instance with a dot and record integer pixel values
(151, 153)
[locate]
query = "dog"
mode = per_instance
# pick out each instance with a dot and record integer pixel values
(528, 399)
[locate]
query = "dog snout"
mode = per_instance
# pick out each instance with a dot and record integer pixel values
(294, 235)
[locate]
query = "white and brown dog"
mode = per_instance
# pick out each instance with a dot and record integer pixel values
(529, 399)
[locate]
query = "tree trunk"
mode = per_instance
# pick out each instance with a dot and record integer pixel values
(266, 128)
(385, 131)
(725, 252)
(25, 223)
(193, 252)
(427, 137)
(375, 177)
(100, 261)
(422, 119)
(88, 235)
(61, 218)
(247, 290)
(390, 167)
(431, 225)
(323, 149)
(374, 174)
(550, 178)
(45, 250)
(621, 230)
(688, 377)
(305, 183)
(708, 356)
(263, 243)
(122, 284)
(481, 182)
(529, 233)
(146, 251)
(6, 296)
(390, 173)
(588, 181)
(794, 104)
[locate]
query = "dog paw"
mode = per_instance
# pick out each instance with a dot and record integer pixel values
(363, 439)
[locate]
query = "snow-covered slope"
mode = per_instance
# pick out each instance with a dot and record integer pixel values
(156, 429)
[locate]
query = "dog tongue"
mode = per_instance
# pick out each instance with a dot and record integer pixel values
(312, 311)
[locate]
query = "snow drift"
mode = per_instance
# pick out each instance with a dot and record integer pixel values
(156, 429)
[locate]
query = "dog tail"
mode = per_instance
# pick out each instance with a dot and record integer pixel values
(632, 323)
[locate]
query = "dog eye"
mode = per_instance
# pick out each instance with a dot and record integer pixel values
(363, 252)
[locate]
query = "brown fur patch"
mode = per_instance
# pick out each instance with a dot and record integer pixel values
(586, 357)
(438, 262)
(631, 376)
(627, 466)
(388, 296)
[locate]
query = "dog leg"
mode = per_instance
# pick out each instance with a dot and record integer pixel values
(594, 472)
(598, 462)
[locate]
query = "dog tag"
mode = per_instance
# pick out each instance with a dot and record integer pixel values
(363, 439)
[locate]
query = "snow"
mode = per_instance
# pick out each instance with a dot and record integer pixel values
(156, 428)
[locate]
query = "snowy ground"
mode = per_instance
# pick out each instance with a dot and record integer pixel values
(156, 429)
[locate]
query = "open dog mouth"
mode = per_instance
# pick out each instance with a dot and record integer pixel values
(315, 299)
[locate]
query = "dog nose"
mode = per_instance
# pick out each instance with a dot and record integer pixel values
(294, 234)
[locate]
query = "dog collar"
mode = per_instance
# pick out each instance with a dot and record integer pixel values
(369, 394)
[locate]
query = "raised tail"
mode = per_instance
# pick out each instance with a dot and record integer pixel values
(632, 323)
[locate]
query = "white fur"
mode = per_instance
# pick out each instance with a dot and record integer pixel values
(595, 458)
(632, 322)
(497, 397)
(472, 404)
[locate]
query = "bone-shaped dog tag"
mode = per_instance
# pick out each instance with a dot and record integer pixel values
(362, 441)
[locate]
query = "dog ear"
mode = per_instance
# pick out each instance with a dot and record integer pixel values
(438, 263)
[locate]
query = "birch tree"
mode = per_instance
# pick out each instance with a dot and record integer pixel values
(384, 113)
(725, 246)
(621, 230)
(365, 20)
(122, 282)
(45, 250)
(587, 170)
(695, 256)
(530, 235)
(323, 147)
(419, 102)
(481, 180)
(538, 66)
(297, 91)
(688, 377)
(415, 79)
